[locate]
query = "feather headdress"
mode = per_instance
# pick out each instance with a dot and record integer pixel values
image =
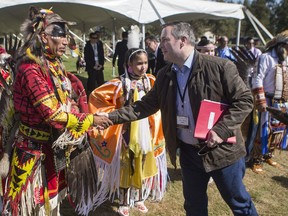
(134, 37)
(37, 21)
(281, 38)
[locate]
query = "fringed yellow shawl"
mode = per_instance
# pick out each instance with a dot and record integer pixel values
(112, 156)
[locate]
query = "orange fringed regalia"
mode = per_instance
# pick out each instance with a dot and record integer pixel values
(109, 146)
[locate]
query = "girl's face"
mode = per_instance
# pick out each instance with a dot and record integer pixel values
(208, 51)
(139, 64)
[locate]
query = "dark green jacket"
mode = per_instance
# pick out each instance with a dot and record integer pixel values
(212, 78)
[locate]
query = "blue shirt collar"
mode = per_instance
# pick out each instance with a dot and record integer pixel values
(187, 64)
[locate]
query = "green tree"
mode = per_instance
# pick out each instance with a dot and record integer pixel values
(281, 16)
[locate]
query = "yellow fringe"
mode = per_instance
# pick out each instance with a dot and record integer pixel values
(31, 56)
(46, 199)
(255, 116)
(78, 128)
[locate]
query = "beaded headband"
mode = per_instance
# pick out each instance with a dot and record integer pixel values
(136, 51)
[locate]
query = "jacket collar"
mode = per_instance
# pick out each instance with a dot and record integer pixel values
(196, 67)
(197, 62)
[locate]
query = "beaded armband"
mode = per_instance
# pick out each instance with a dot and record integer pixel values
(259, 96)
(78, 127)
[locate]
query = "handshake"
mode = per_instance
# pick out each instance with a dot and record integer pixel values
(101, 120)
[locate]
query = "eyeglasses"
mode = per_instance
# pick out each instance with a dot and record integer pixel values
(206, 150)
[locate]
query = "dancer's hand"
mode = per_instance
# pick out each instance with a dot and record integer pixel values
(101, 121)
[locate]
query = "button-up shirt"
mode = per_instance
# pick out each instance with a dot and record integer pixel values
(184, 107)
(265, 76)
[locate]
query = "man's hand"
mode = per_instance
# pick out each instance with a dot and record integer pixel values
(101, 121)
(213, 139)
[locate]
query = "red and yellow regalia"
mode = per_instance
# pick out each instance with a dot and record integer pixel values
(143, 138)
(52, 122)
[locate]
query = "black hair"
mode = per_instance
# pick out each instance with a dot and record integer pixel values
(151, 37)
(124, 34)
(131, 54)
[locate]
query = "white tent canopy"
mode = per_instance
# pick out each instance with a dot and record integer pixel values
(89, 13)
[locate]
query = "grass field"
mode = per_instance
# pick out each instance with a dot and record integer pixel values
(269, 190)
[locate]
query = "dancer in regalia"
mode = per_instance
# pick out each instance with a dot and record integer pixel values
(270, 88)
(132, 155)
(52, 124)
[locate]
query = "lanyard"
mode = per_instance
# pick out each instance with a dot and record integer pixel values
(179, 91)
(189, 77)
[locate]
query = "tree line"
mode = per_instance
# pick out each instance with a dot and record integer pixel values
(272, 14)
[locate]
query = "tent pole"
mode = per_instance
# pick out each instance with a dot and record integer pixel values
(143, 36)
(238, 33)
(255, 27)
(113, 44)
(75, 35)
(157, 13)
(259, 24)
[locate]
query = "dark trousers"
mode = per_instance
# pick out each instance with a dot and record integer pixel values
(121, 70)
(228, 181)
(95, 79)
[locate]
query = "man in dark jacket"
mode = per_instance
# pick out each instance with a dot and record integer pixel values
(152, 44)
(178, 91)
(94, 58)
(120, 50)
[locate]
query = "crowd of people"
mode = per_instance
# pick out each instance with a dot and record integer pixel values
(58, 144)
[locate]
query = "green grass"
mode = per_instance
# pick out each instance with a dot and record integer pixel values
(70, 65)
(268, 190)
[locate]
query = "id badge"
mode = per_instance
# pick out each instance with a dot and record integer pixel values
(182, 122)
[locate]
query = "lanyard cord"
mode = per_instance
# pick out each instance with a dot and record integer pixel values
(186, 86)
(189, 78)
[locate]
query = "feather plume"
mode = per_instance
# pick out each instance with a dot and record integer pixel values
(82, 179)
(278, 114)
(7, 117)
(134, 37)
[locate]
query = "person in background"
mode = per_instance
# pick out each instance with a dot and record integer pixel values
(270, 88)
(120, 51)
(151, 56)
(178, 91)
(51, 119)
(250, 46)
(205, 46)
(94, 58)
(139, 142)
(223, 50)
(152, 44)
(5, 85)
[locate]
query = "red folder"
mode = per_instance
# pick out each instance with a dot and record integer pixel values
(209, 114)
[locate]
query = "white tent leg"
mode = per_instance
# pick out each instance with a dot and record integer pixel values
(157, 13)
(75, 35)
(259, 23)
(143, 36)
(238, 33)
(113, 45)
(255, 26)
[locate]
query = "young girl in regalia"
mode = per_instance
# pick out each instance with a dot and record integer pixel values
(136, 165)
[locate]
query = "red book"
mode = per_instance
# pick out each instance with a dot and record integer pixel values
(209, 114)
